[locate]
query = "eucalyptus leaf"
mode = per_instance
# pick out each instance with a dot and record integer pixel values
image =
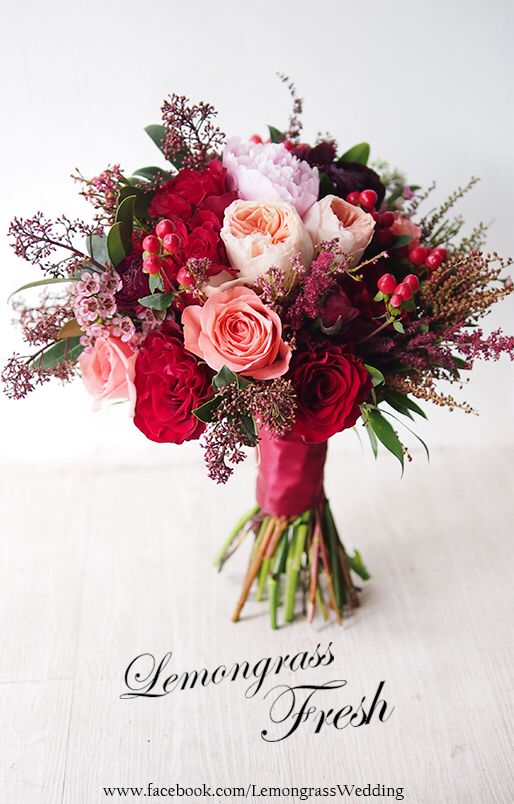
(358, 153)
(39, 283)
(157, 301)
(66, 349)
(385, 433)
(377, 378)
(97, 248)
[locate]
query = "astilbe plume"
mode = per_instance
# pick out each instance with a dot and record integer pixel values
(191, 135)
(50, 244)
(102, 191)
(269, 404)
(475, 345)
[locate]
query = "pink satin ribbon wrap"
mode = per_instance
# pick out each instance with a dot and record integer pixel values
(290, 478)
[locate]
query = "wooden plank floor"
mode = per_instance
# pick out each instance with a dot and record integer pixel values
(102, 562)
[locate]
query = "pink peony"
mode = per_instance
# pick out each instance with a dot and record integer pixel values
(270, 171)
(235, 329)
(108, 370)
(335, 219)
(258, 235)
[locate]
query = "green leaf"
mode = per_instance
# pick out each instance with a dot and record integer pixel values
(66, 349)
(403, 400)
(151, 172)
(142, 199)
(358, 153)
(398, 326)
(372, 439)
(379, 296)
(326, 185)
(224, 377)
(39, 282)
(125, 213)
(157, 301)
(460, 363)
(118, 243)
(204, 412)
(402, 240)
(411, 432)
(249, 425)
(155, 283)
(377, 378)
(157, 134)
(275, 134)
(97, 248)
(385, 433)
(357, 565)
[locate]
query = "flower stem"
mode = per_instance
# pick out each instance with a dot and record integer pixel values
(294, 562)
(254, 568)
(220, 556)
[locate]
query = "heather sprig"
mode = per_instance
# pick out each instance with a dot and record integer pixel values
(191, 135)
(50, 244)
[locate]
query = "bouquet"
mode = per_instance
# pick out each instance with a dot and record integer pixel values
(264, 294)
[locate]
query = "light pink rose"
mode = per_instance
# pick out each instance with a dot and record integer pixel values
(335, 219)
(235, 329)
(108, 370)
(259, 234)
(405, 227)
(269, 170)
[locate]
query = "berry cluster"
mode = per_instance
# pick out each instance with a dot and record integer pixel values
(430, 258)
(159, 247)
(398, 293)
(367, 199)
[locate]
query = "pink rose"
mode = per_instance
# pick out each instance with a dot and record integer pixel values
(108, 370)
(405, 227)
(235, 329)
(335, 219)
(269, 170)
(259, 234)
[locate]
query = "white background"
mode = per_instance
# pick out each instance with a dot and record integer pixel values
(428, 84)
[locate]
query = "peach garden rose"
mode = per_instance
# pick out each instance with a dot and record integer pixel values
(335, 219)
(235, 329)
(261, 234)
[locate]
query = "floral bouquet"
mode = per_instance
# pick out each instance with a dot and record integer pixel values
(265, 294)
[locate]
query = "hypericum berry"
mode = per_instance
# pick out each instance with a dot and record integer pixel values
(151, 244)
(442, 252)
(169, 243)
(152, 264)
(386, 219)
(184, 278)
(395, 300)
(375, 215)
(368, 199)
(386, 283)
(418, 255)
(164, 227)
(385, 237)
(413, 282)
(433, 260)
(256, 138)
(404, 291)
(353, 198)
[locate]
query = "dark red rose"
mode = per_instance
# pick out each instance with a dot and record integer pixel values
(330, 384)
(135, 282)
(349, 177)
(187, 191)
(318, 156)
(170, 384)
(338, 308)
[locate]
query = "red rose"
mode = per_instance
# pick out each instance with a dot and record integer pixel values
(330, 385)
(170, 384)
(186, 191)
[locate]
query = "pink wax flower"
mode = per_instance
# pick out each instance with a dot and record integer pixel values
(270, 171)
(108, 370)
(235, 329)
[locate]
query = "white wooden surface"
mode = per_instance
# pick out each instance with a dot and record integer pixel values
(103, 562)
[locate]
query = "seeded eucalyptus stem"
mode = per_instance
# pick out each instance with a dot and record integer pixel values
(286, 549)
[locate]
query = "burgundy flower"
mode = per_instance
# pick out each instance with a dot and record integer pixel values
(170, 384)
(349, 177)
(134, 282)
(338, 307)
(330, 384)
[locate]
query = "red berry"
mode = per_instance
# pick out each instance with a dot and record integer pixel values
(384, 237)
(433, 261)
(368, 199)
(256, 138)
(353, 198)
(418, 255)
(184, 278)
(386, 219)
(442, 253)
(375, 215)
(412, 281)
(164, 227)
(404, 291)
(151, 244)
(288, 145)
(169, 243)
(395, 300)
(152, 264)
(386, 283)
